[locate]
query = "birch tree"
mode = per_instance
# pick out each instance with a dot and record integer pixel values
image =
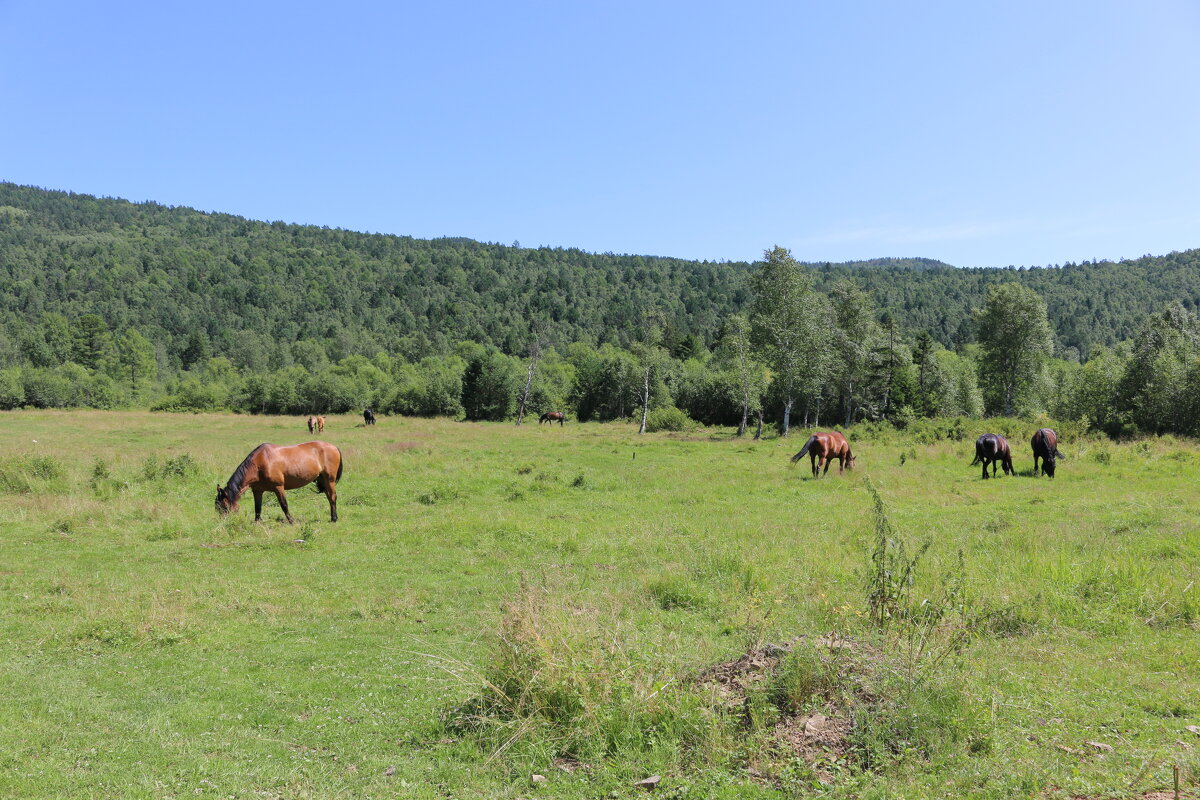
(736, 354)
(788, 323)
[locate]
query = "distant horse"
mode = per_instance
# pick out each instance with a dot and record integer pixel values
(552, 417)
(312, 424)
(320, 424)
(822, 448)
(368, 417)
(992, 448)
(1045, 447)
(277, 468)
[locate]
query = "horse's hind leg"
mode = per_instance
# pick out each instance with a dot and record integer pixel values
(816, 467)
(283, 504)
(331, 493)
(985, 475)
(258, 505)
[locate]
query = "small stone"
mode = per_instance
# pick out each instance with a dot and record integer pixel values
(1101, 746)
(649, 784)
(539, 780)
(390, 771)
(814, 724)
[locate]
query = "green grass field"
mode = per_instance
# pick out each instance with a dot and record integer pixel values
(498, 602)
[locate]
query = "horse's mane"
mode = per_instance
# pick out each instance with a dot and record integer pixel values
(234, 487)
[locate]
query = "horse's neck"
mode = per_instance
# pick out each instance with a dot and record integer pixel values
(248, 477)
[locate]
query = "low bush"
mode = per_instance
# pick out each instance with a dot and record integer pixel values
(668, 419)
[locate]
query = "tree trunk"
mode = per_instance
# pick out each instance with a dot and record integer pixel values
(817, 414)
(645, 399)
(787, 415)
(525, 394)
(745, 412)
(758, 432)
(849, 403)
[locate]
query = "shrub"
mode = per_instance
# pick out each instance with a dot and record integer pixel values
(668, 419)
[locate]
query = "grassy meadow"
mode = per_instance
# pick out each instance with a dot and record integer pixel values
(498, 602)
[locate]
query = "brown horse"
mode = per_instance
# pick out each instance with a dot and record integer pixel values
(277, 468)
(552, 417)
(992, 448)
(823, 448)
(312, 424)
(1045, 447)
(320, 424)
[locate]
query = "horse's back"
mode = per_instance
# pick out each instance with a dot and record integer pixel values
(300, 464)
(1047, 439)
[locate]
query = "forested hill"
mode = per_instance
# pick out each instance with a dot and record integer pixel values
(246, 286)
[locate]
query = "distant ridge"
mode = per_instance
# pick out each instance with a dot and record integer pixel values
(244, 286)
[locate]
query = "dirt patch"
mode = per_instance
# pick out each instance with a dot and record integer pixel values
(818, 728)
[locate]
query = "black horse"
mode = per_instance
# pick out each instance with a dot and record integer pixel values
(1045, 447)
(992, 448)
(368, 417)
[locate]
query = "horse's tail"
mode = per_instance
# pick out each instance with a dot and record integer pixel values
(341, 463)
(804, 450)
(978, 453)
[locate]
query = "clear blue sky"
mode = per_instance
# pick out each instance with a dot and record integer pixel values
(983, 134)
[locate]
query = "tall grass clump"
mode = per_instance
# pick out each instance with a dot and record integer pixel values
(26, 474)
(560, 681)
(915, 708)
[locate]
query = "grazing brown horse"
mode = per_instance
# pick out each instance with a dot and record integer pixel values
(823, 448)
(320, 424)
(368, 417)
(552, 417)
(275, 468)
(312, 424)
(992, 448)
(1045, 447)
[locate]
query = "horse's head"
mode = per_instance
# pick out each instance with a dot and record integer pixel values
(225, 501)
(1048, 466)
(850, 459)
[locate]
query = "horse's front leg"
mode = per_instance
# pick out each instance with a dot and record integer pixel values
(826, 461)
(258, 505)
(283, 504)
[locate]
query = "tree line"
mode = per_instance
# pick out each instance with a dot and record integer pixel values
(800, 353)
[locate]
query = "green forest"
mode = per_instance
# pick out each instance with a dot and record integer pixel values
(108, 303)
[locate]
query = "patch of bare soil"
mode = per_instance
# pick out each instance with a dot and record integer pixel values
(820, 733)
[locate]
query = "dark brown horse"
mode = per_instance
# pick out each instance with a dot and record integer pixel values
(552, 417)
(368, 417)
(992, 448)
(822, 448)
(274, 468)
(1045, 447)
(312, 424)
